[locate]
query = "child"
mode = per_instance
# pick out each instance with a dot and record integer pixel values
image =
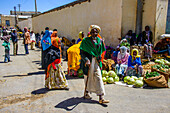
(6, 44)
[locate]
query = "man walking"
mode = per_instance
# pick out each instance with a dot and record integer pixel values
(15, 41)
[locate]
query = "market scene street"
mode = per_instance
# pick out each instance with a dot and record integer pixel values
(22, 90)
(85, 56)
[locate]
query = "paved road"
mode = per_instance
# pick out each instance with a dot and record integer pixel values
(22, 90)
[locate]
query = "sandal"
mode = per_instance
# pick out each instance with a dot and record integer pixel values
(87, 96)
(102, 101)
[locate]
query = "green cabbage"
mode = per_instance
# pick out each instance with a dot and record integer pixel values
(126, 79)
(131, 81)
(110, 80)
(116, 79)
(140, 78)
(134, 77)
(104, 73)
(112, 74)
(138, 83)
(104, 79)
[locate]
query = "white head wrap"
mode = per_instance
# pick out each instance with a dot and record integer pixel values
(94, 27)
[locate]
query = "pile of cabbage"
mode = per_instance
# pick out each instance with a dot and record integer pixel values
(133, 80)
(162, 61)
(109, 77)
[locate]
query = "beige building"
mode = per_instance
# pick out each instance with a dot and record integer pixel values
(9, 20)
(115, 17)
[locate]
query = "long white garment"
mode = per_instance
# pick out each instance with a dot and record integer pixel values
(95, 82)
(32, 37)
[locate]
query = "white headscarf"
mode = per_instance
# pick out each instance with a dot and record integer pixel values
(123, 51)
(94, 27)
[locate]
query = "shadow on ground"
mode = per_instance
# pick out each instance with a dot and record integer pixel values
(71, 103)
(18, 55)
(44, 91)
(36, 62)
(40, 91)
(71, 77)
(28, 74)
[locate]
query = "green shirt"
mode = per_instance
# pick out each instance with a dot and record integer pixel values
(91, 49)
(6, 45)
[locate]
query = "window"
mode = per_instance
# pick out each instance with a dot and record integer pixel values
(7, 22)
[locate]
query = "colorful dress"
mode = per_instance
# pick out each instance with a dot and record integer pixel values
(55, 77)
(123, 58)
(46, 43)
(131, 70)
(74, 59)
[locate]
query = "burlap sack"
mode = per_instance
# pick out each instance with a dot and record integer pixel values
(108, 65)
(158, 81)
(165, 74)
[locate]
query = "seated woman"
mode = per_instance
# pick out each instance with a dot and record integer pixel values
(122, 61)
(147, 38)
(131, 37)
(55, 77)
(115, 54)
(134, 64)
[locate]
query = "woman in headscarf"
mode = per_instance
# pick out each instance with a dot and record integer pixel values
(134, 64)
(55, 77)
(90, 50)
(74, 56)
(81, 36)
(46, 43)
(115, 54)
(122, 61)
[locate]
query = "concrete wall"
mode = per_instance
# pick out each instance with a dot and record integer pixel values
(154, 15)
(161, 16)
(25, 23)
(149, 14)
(129, 8)
(69, 21)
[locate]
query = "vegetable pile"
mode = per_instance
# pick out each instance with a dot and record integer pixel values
(162, 61)
(151, 74)
(133, 80)
(161, 67)
(109, 77)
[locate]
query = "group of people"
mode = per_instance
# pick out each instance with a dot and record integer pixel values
(128, 62)
(91, 48)
(90, 54)
(28, 38)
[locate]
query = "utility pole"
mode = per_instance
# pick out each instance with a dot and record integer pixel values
(35, 7)
(15, 16)
(19, 5)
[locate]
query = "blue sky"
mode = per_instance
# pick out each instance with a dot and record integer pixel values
(28, 5)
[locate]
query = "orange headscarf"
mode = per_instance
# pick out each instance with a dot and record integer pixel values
(55, 40)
